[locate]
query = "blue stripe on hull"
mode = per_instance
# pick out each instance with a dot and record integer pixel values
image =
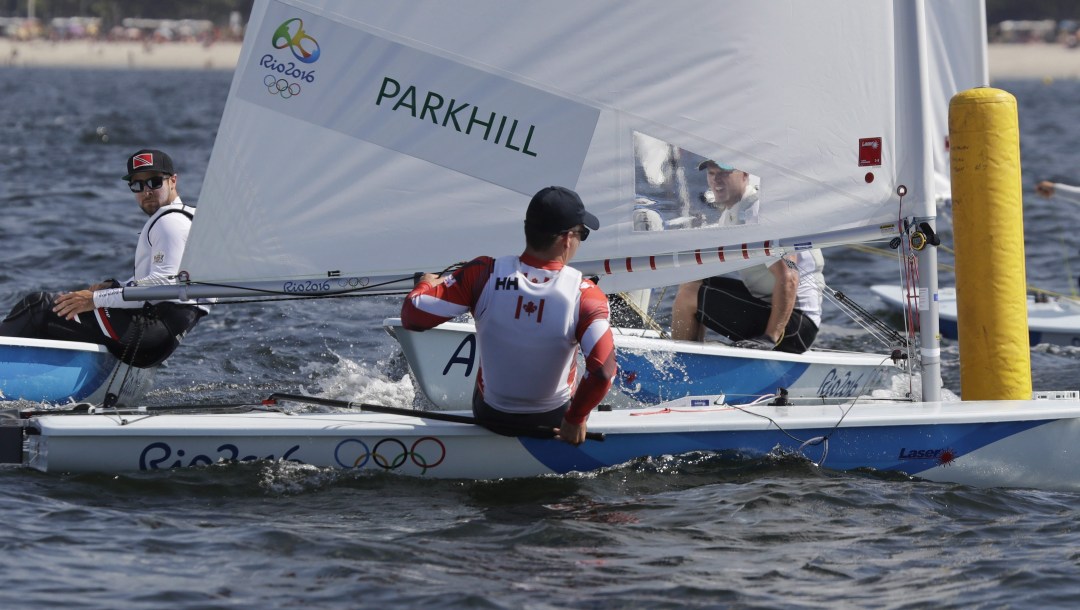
(911, 449)
(43, 374)
(742, 380)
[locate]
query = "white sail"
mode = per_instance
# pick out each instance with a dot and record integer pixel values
(956, 42)
(364, 140)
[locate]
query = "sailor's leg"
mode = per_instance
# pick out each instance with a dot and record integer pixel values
(799, 334)
(684, 314)
(728, 308)
(28, 317)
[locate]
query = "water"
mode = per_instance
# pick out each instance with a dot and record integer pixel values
(697, 531)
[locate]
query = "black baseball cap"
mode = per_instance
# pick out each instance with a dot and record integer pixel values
(555, 209)
(148, 160)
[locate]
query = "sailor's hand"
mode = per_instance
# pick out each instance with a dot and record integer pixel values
(764, 342)
(71, 304)
(571, 433)
(1045, 188)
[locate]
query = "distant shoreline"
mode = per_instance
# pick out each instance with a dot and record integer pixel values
(1033, 60)
(1047, 61)
(131, 55)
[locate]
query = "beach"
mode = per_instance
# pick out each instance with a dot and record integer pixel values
(133, 55)
(1046, 61)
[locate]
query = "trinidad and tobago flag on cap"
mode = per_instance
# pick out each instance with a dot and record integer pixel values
(148, 160)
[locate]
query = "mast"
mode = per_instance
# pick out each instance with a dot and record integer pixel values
(917, 146)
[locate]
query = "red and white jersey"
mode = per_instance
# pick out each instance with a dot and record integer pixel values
(531, 316)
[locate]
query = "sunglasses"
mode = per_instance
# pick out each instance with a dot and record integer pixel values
(153, 184)
(583, 233)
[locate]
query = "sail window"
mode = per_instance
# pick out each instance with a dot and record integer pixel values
(676, 189)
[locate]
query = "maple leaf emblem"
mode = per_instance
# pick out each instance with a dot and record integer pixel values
(530, 308)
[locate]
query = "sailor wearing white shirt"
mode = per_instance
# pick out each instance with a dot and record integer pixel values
(775, 306)
(140, 333)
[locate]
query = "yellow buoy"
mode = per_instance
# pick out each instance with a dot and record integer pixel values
(988, 231)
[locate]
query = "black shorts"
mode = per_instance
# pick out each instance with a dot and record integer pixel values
(141, 337)
(727, 307)
(516, 424)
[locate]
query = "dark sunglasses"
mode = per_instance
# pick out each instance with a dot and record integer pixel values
(153, 184)
(583, 233)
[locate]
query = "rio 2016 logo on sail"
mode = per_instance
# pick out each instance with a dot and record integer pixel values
(290, 35)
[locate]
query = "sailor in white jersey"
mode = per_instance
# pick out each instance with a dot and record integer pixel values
(140, 333)
(775, 306)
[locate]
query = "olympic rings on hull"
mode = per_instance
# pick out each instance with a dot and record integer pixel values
(390, 453)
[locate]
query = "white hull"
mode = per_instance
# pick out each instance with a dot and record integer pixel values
(61, 372)
(989, 443)
(652, 370)
(1056, 321)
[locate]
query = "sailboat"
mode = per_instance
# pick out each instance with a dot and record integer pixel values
(363, 142)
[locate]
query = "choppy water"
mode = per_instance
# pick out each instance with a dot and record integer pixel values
(698, 531)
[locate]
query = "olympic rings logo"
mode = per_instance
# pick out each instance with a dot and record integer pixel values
(390, 453)
(353, 282)
(280, 86)
(291, 35)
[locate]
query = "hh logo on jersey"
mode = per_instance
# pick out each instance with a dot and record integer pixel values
(529, 309)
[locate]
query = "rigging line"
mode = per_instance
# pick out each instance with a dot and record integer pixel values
(817, 440)
(909, 272)
(886, 253)
(646, 318)
(111, 398)
(873, 325)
